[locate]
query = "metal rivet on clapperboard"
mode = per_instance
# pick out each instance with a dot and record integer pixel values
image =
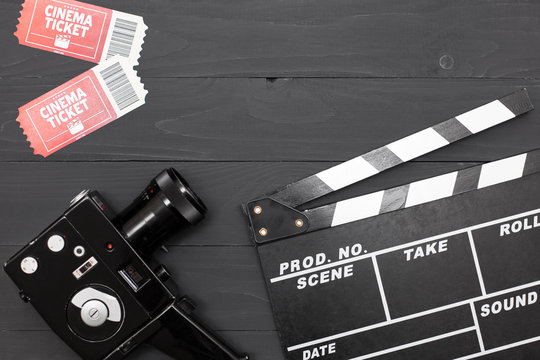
(299, 223)
(263, 232)
(257, 210)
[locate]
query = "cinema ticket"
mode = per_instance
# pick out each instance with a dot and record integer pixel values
(81, 105)
(80, 30)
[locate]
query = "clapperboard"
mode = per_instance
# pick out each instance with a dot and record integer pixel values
(443, 268)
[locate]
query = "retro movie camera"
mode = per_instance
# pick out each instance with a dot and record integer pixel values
(91, 277)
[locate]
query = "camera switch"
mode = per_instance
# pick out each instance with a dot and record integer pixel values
(78, 251)
(162, 273)
(29, 265)
(132, 276)
(56, 243)
(78, 197)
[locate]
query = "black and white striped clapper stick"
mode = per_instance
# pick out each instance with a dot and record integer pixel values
(274, 216)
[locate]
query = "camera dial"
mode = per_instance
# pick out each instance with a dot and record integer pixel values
(95, 313)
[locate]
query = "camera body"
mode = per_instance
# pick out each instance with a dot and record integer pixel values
(89, 276)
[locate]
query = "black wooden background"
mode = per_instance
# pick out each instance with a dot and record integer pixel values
(246, 95)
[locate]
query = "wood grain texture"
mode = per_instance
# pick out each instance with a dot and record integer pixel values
(288, 119)
(36, 345)
(374, 38)
(245, 96)
(33, 195)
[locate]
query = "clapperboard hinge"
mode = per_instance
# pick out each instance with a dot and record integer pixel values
(275, 216)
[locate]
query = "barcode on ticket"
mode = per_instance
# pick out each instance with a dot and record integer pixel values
(122, 37)
(121, 84)
(125, 37)
(118, 84)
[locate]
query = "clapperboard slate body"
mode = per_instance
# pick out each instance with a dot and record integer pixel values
(448, 268)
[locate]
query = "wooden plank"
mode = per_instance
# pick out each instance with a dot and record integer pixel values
(225, 282)
(260, 345)
(32, 195)
(286, 120)
(375, 38)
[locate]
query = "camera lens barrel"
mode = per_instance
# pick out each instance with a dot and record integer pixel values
(166, 204)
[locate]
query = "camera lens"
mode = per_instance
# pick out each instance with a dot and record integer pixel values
(166, 204)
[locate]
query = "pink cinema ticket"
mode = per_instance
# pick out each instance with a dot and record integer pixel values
(80, 30)
(81, 105)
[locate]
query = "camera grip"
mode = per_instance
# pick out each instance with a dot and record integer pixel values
(183, 336)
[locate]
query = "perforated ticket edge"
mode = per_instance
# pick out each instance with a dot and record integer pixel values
(133, 78)
(28, 6)
(31, 132)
